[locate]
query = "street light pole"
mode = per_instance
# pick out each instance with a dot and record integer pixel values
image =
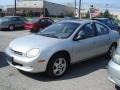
(80, 9)
(15, 9)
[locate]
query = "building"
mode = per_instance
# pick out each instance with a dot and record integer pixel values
(115, 14)
(36, 7)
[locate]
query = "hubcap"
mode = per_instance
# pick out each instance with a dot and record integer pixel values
(112, 50)
(59, 66)
(11, 27)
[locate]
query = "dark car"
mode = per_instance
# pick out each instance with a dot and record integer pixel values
(12, 22)
(38, 23)
(111, 23)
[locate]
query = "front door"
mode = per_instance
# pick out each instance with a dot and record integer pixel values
(85, 47)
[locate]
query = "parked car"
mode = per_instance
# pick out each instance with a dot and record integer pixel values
(38, 23)
(111, 23)
(114, 68)
(54, 48)
(12, 22)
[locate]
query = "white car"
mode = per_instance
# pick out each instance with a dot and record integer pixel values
(53, 49)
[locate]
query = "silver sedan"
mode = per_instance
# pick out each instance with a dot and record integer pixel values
(114, 68)
(12, 22)
(53, 49)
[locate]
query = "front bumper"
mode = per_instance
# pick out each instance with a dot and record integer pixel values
(3, 27)
(114, 73)
(32, 65)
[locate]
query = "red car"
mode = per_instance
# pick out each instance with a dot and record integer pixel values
(38, 23)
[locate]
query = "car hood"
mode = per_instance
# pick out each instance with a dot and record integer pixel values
(29, 42)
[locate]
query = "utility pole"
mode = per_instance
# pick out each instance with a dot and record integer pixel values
(75, 9)
(80, 9)
(15, 9)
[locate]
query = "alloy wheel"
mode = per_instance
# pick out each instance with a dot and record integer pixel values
(59, 66)
(112, 50)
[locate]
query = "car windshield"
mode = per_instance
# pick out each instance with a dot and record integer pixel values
(23, 19)
(34, 20)
(60, 30)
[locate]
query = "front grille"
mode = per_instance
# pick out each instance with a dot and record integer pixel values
(16, 64)
(16, 52)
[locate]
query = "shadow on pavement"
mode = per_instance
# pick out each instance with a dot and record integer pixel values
(17, 29)
(76, 70)
(3, 62)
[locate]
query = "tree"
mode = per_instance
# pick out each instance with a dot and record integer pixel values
(62, 16)
(88, 14)
(106, 14)
(46, 12)
(30, 13)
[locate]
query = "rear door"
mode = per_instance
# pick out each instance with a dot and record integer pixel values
(102, 38)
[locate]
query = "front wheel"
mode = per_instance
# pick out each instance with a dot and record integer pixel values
(11, 27)
(57, 66)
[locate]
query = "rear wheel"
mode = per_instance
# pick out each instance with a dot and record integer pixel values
(111, 51)
(11, 27)
(57, 66)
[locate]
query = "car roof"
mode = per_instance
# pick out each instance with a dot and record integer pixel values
(13, 16)
(80, 21)
(100, 18)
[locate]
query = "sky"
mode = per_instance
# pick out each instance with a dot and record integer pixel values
(111, 4)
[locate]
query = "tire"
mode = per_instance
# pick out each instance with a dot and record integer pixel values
(117, 87)
(57, 66)
(11, 27)
(111, 51)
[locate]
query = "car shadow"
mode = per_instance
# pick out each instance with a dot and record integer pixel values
(76, 70)
(17, 29)
(3, 62)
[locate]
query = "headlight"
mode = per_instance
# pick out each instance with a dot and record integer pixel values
(116, 58)
(32, 53)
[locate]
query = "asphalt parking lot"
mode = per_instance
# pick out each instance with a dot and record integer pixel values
(88, 75)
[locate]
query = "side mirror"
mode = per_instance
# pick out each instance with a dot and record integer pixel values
(79, 36)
